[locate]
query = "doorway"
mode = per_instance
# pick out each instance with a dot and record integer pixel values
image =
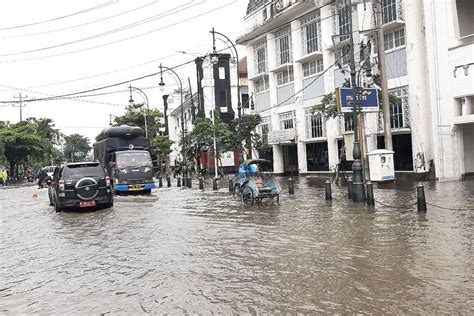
(290, 159)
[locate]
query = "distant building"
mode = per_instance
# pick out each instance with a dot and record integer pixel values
(292, 50)
(216, 90)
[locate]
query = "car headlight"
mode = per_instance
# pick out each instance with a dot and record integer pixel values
(124, 170)
(147, 169)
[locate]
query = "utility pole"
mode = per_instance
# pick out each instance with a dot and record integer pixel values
(358, 189)
(20, 104)
(383, 76)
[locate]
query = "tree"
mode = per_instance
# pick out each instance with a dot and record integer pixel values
(76, 147)
(21, 143)
(135, 116)
(248, 131)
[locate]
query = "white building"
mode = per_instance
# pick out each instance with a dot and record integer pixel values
(292, 47)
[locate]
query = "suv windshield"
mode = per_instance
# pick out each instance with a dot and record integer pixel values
(80, 171)
(134, 159)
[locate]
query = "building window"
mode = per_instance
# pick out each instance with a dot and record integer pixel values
(313, 67)
(399, 111)
(389, 10)
(283, 45)
(394, 39)
(348, 122)
(343, 56)
(260, 55)
(265, 128)
(284, 77)
(261, 85)
(343, 20)
(287, 120)
(314, 124)
(465, 12)
(311, 27)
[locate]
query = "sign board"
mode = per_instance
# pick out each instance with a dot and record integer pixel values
(349, 146)
(281, 136)
(368, 100)
(78, 154)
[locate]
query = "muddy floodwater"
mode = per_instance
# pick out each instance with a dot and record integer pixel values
(187, 251)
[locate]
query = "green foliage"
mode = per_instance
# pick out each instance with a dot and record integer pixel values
(76, 143)
(161, 145)
(21, 143)
(135, 116)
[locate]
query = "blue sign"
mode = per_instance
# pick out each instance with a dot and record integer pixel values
(368, 100)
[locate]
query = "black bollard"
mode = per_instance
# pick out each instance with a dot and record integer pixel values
(291, 186)
(420, 198)
(370, 193)
(231, 185)
(201, 183)
(349, 188)
(190, 183)
(214, 184)
(327, 186)
(179, 182)
(168, 181)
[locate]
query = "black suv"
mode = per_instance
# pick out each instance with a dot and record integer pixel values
(80, 185)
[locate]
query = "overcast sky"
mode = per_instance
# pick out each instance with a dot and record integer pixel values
(57, 47)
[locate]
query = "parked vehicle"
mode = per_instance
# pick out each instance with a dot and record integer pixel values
(255, 184)
(125, 155)
(80, 185)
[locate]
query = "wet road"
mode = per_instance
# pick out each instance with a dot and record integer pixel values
(185, 251)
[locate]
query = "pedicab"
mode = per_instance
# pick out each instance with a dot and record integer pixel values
(256, 183)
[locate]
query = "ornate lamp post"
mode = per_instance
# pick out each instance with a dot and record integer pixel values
(214, 60)
(147, 105)
(162, 86)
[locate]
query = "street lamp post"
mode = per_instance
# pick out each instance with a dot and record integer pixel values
(147, 105)
(215, 60)
(358, 189)
(162, 86)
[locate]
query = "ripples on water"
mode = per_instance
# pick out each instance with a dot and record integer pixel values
(185, 251)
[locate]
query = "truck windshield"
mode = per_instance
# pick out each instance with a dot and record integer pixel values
(133, 159)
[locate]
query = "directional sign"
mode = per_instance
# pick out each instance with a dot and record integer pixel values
(368, 100)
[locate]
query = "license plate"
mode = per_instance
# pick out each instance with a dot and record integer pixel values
(136, 187)
(87, 204)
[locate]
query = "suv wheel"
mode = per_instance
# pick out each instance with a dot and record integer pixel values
(56, 207)
(87, 189)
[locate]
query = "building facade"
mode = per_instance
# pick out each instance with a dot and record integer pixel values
(297, 54)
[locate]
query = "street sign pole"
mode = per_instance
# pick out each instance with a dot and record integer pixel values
(358, 189)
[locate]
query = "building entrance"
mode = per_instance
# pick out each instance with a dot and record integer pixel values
(402, 146)
(290, 159)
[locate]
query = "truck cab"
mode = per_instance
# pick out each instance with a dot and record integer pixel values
(132, 171)
(125, 154)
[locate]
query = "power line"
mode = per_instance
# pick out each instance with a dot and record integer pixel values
(84, 24)
(124, 39)
(100, 88)
(100, 74)
(61, 17)
(109, 32)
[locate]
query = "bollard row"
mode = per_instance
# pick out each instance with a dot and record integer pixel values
(420, 194)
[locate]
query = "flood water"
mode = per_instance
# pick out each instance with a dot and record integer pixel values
(186, 251)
